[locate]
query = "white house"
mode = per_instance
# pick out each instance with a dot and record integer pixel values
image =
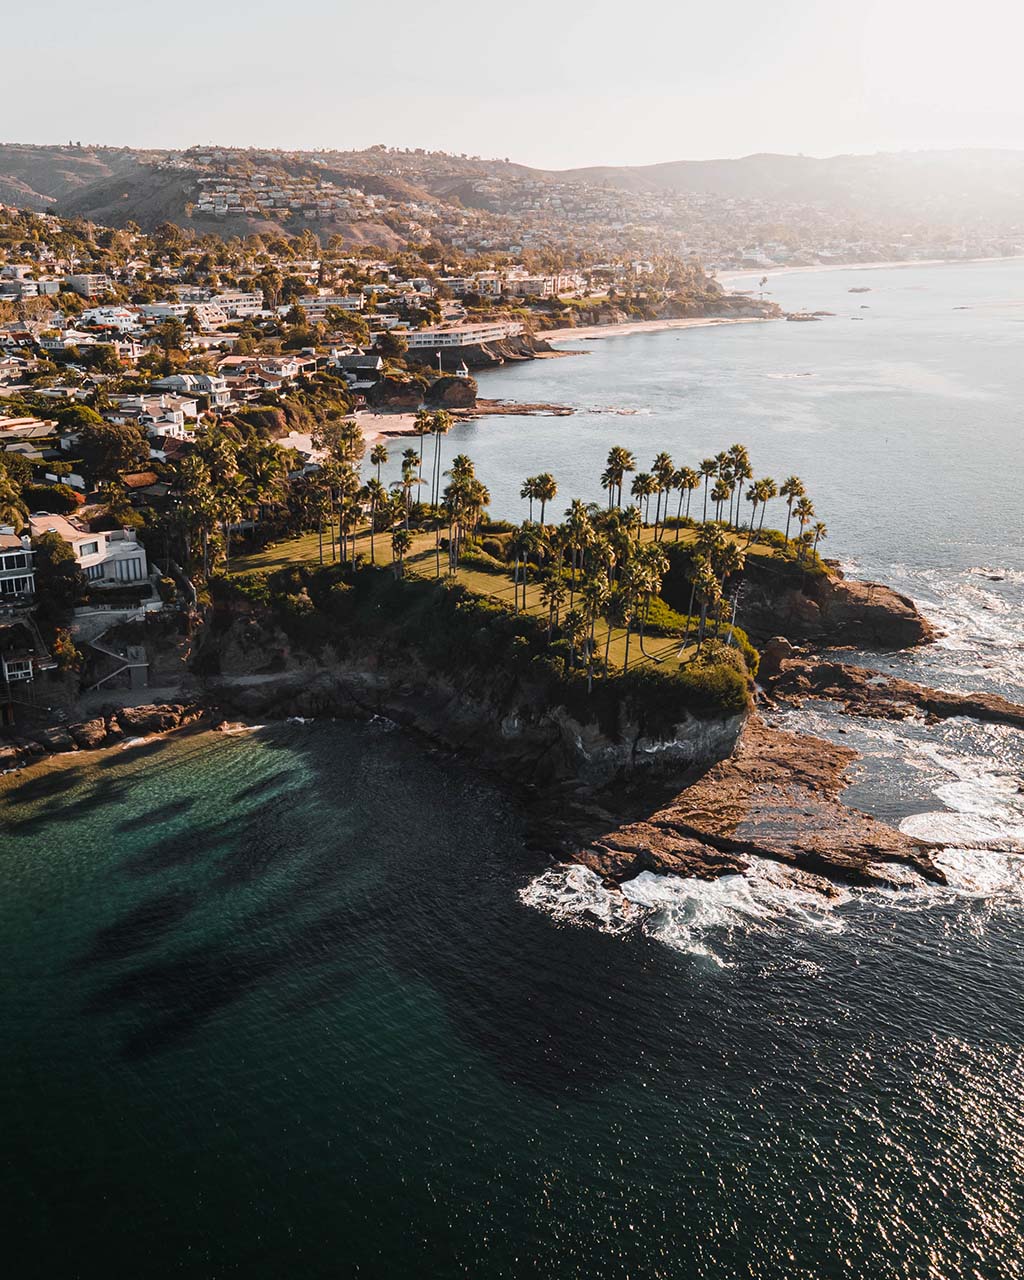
(114, 556)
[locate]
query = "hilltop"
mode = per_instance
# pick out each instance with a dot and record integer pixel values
(758, 210)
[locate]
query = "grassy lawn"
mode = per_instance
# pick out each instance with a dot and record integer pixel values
(420, 560)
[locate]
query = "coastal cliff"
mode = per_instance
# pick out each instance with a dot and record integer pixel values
(511, 721)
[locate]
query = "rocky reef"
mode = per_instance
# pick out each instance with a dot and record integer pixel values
(790, 677)
(776, 796)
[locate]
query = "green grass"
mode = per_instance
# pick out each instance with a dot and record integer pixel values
(661, 652)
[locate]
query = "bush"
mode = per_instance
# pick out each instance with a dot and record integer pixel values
(58, 499)
(494, 547)
(482, 560)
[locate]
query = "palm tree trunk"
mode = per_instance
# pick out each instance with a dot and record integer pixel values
(625, 657)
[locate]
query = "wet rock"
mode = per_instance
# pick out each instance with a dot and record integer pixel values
(55, 740)
(776, 797)
(862, 691)
(90, 734)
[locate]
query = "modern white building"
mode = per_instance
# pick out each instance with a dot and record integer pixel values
(461, 335)
(114, 556)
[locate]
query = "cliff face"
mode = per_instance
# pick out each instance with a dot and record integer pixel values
(252, 670)
(778, 598)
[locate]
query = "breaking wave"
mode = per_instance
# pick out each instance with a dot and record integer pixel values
(699, 917)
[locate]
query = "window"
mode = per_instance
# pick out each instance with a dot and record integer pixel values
(94, 572)
(18, 670)
(17, 561)
(16, 586)
(88, 549)
(129, 570)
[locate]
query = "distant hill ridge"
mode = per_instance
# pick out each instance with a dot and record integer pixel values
(112, 185)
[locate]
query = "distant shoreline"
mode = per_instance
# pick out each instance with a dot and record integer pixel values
(771, 272)
(626, 327)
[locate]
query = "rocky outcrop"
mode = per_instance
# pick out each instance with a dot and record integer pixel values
(780, 598)
(451, 393)
(791, 677)
(102, 731)
(776, 796)
(392, 393)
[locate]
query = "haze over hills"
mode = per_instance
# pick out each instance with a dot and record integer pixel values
(964, 203)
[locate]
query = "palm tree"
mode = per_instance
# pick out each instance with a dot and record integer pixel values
(804, 512)
(620, 460)
(596, 594)
(820, 531)
(579, 535)
(708, 468)
(529, 492)
(401, 541)
(379, 456)
(791, 489)
(686, 480)
(423, 425)
(740, 470)
(552, 594)
(574, 628)
(609, 481)
(441, 423)
(664, 473)
(409, 481)
(769, 490)
(643, 487)
(654, 562)
(720, 494)
(377, 496)
(547, 491)
(525, 542)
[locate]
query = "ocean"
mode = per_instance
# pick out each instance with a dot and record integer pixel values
(299, 1000)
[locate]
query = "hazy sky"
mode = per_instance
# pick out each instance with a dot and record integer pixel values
(546, 82)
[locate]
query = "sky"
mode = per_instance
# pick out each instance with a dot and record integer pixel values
(550, 83)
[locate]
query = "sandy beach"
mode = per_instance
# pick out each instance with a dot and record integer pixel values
(643, 326)
(378, 425)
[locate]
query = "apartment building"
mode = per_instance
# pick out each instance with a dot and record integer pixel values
(90, 284)
(315, 305)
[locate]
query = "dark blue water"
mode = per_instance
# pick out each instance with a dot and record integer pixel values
(299, 1001)
(272, 1003)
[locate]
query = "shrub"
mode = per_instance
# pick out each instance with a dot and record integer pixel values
(58, 499)
(482, 560)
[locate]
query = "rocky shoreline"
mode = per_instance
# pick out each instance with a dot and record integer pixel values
(723, 794)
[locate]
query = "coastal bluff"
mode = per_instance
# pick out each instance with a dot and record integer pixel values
(780, 598)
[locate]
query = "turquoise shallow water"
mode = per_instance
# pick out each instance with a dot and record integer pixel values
(299, 1001)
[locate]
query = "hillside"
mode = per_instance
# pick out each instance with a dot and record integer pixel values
(961, 182)
(34, 177)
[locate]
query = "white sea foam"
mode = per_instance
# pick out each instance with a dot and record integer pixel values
(698, 917)
(983, 808)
